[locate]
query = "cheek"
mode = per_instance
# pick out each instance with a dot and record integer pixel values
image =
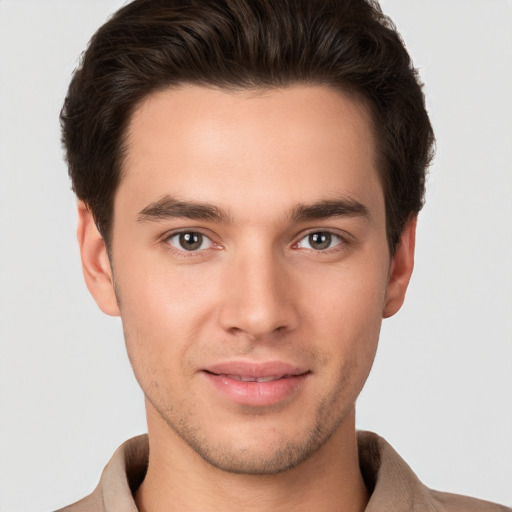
(160, 296)
(348, 300)
(162, 316)
(348, 312)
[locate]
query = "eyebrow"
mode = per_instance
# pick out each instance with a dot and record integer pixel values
(330, 209)
(168, 207)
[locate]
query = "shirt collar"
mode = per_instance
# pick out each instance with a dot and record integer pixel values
(390, 481)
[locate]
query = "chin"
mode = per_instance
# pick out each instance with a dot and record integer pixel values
(257, 447)
(269, 460)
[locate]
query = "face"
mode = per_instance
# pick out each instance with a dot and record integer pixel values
(251, 268)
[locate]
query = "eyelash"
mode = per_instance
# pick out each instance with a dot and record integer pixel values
(341, 242)
(181, 250)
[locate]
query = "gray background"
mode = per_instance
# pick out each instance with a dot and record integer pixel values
(441, 388)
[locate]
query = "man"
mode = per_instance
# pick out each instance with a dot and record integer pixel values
(249, 176)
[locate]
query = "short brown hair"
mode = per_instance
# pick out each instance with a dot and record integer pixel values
(150, 45)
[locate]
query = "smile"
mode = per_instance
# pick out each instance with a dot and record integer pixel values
(243, 378)
(256, 384)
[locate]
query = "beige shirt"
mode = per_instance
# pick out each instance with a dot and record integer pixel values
(391, 482)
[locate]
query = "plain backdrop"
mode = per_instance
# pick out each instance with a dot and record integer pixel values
(441, 387)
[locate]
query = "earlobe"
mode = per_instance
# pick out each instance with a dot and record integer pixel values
(400, 272)
(95, 262)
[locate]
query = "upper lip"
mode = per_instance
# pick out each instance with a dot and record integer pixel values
(256, 369)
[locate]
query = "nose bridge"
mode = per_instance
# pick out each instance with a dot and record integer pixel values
(257, 298)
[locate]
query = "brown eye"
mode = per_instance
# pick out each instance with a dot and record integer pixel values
(189, 241)
(320, 241)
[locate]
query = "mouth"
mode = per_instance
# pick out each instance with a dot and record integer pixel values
(244, 378)
(252, 371)
(257, 384)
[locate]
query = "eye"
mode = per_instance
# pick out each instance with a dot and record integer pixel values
(190, 241)
(320, 241)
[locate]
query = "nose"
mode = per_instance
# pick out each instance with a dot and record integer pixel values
(258, 296)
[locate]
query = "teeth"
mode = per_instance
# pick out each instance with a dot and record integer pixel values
(242, 378)
(267, 379)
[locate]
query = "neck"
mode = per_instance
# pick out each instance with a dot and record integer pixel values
(179, 479)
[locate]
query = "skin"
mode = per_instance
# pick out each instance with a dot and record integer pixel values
(257, 289)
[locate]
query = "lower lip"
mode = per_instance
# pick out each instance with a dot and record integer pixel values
(257, 394)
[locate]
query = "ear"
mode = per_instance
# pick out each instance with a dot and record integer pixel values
(95, 262)
(400, 271)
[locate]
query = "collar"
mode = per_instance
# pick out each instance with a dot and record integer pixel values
(390, 481)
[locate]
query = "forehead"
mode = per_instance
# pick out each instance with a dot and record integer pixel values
(250, 148)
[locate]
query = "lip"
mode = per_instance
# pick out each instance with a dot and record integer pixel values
(256, 384)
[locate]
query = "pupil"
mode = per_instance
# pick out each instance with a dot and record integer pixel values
(320, 240)
(191, 241)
